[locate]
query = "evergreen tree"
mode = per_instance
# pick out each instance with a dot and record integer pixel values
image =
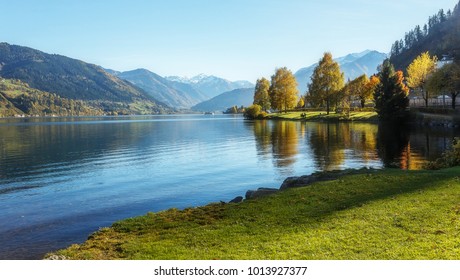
(391, 94)
(418, 33)
(439, 35)
(326, 82)
(261, 94)
(283, 90)
(442, 16)
(456, 9)
(396, 48)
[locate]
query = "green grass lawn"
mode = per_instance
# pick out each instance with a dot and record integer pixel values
(322, 115)
(388, 214)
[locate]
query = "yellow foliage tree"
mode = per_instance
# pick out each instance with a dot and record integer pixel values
(326, 82)
(360, 89)
(261, 95)
(283, 90)
(418, 73)
(301, 103)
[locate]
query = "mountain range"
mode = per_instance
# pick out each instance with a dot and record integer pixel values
(180, 92)
(237, 97)
(353, 66)
(211, 86)
(141, 91)
(77, 80)
(172, 93)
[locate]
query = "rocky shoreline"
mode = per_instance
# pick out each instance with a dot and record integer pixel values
(301, 181)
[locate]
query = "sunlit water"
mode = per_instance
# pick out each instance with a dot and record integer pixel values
(63, 178)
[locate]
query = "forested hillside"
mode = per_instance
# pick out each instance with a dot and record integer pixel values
(74, 79)
(439, 36)
(18, 99)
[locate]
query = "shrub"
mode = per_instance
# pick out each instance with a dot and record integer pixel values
(449, 158)
(262, 115)
(253, 112)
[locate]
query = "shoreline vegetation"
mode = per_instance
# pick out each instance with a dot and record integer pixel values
(323, 116)
(415, 116)
(353, 215)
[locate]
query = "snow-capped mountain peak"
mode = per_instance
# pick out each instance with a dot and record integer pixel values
(210, 85)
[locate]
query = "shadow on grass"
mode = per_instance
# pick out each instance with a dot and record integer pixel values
(325, 198)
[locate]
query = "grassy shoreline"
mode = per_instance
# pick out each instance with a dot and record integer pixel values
(388, 214)
(323, 116)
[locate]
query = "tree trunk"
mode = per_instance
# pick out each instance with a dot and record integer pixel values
(425, 97)
(363, 103)
(327, 105)
(454, 97)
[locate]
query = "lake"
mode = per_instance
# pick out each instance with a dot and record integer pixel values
(63, 178)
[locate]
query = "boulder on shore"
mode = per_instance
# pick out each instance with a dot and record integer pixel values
(260, 192)
(237, 199)
(301, 181)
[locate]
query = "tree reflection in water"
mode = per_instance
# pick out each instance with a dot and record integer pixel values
(329, 146)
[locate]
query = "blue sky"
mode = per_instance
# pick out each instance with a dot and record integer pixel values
(234, 39)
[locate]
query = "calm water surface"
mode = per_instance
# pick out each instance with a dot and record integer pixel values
(63, 178)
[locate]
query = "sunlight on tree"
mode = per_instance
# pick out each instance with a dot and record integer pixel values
(326, 82)
(261, 94)
(283, 90)
(418, 72)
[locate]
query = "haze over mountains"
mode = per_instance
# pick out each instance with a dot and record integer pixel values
(141, 91)
(353, 66)
(237, 97)
(34, 82)
(211, 86)
(180, 92)
(77, 80)
(211, 93)
(173, 94)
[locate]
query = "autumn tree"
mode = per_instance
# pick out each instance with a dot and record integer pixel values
(301, 102)
(326, 82)
(361, 88)
(391, 94)
(446, 80)
(418, 72)
(261, 94)
(283, 90)
(254, 111)
(345, 97)
(369, 90)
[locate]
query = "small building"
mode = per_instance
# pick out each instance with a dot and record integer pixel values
(446, 59)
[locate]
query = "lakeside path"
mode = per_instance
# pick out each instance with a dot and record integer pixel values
(323, 116)
(383, 214)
